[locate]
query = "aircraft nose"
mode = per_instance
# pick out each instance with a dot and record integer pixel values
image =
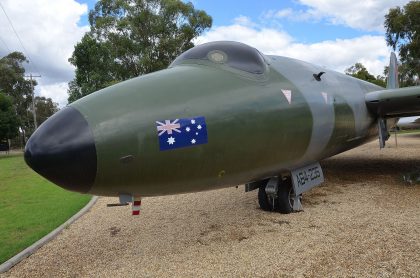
(63, 151)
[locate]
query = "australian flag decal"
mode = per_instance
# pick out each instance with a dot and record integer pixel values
(180, 133)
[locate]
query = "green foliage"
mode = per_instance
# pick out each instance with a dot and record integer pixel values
(9, 122)
(30, 206)
(359, 71)
(14, 85)
(406, 75)
(129, 38)
(45, 108)
(403, 33)
(93, 63)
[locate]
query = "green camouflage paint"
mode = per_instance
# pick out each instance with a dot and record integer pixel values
(264, 116)
(253, 131)
(344, 127)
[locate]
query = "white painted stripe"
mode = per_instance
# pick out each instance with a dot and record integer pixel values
(325, 96)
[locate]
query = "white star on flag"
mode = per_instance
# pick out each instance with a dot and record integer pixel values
(187, 129)
(193, 121)
(193, 141)
(199, 126)
(168, 127)
(171, 140)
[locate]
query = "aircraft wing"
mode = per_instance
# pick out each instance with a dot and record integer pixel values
(394, 103)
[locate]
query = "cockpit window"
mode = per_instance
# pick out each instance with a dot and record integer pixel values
(236, 55)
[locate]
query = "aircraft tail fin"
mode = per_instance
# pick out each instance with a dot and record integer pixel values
(392, 82)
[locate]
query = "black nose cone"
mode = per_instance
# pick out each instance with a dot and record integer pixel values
(63, 151)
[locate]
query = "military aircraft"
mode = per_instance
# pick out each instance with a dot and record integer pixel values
(221, 115)
(409, 123)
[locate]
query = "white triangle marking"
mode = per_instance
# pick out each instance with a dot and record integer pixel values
(325, 96)
(287, 94)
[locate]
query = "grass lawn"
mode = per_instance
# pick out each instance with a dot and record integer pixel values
(30, 206)
(412, 131)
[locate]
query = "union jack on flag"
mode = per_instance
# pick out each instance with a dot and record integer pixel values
(180, 133)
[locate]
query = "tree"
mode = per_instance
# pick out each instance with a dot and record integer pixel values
(407, 77)
(9, 122)
(129, 38)
(14, 85)
(403, 33)
(359, 71)
(93, 63)
(45, 108)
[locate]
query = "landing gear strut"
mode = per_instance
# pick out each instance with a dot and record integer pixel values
(278, 195)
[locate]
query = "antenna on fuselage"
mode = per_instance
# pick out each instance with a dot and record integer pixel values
(317, 76)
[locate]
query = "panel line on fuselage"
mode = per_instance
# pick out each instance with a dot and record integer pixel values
(322, 111)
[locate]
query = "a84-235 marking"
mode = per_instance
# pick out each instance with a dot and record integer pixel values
(307, 175)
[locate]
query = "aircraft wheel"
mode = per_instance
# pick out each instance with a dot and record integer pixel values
(285, 197)
(263, 199)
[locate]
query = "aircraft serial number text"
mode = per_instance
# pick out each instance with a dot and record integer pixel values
(307, 177)
(304, 177)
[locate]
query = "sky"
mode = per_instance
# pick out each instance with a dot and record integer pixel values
(332, 33)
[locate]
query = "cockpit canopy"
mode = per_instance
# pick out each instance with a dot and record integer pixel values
(234, 54)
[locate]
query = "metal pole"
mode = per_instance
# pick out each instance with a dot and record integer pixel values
(396, 142)
(33, 99)
(33, 103)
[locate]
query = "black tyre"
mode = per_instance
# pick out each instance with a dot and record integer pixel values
(285, 197)
(263, 200)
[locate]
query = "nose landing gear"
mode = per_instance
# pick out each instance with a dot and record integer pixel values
(278, 195)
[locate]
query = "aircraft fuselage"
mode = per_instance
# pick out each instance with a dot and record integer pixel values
(257, 125)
